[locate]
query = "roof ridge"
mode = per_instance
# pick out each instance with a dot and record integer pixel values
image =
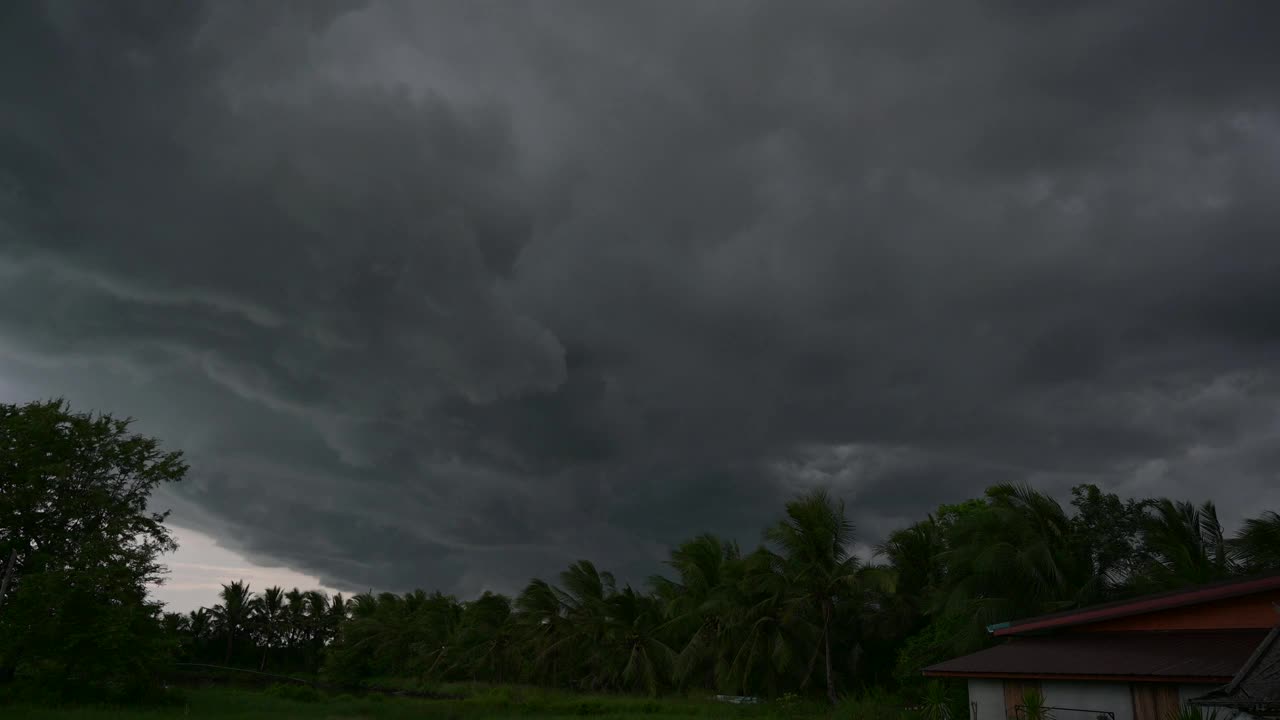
(1144, 603)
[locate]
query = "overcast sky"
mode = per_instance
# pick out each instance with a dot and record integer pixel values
(452, 293)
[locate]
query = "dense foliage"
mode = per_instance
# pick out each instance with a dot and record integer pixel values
(799, 614)
(80, 548)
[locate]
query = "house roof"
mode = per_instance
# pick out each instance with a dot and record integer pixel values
(1200, 657)
(1138, 606)
(1257, 685)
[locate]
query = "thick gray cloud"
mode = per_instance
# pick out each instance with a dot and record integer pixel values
(450, 294)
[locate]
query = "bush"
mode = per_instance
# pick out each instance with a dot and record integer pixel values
(589, 707)
(935, 643)
(876, 705)
(296, 693)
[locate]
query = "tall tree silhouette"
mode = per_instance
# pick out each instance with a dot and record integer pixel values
(233, 615)
(814, 542)
(268, 620)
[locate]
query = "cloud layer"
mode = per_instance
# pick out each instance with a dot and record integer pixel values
(451, 294)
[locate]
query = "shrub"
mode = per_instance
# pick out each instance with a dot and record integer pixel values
(296, 693)
(876, 705)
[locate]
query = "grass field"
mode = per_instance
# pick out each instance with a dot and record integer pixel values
(487, 704)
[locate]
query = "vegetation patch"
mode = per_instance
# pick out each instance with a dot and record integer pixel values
(798, 621)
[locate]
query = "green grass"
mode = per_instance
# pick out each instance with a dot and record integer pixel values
(481, 704)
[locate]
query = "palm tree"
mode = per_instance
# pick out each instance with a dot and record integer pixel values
(353, 654)
(815, 541)
(914, 554)
(269, 620)
(1184, 545)
(1015, 555)
(433, 622)
(485, 641)
(543, 627)
(1257, 546)
(177, 627)
(583, 596)
(766, 630)
(198, 622)
(295, 614)
(315, 622)
(334, 616)
(389, 634)
(232, 616)
(634, 622)
(699, 603)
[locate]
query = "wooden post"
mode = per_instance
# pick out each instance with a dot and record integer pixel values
(8, 573)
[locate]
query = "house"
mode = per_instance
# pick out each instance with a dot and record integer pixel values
(1138, 659)
(1255, 690)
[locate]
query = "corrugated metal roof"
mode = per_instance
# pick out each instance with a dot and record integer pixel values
(1211, 656)
(1257, 685)
(1140, 605)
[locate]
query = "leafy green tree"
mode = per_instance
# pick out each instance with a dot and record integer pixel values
(934, 643)
(91, 634)
(1111, 528)
(74, 489)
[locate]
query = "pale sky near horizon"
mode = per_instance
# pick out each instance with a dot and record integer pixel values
(200, 567)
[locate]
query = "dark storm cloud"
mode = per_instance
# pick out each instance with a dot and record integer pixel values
(451, 294)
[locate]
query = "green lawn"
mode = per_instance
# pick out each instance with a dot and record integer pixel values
(493, 703)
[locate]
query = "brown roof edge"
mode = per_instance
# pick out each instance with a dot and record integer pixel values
(1209, 657)
(1188, 679)
(1139, 605)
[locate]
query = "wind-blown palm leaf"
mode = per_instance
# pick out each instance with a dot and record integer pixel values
(1184, 545)
(1256, 548)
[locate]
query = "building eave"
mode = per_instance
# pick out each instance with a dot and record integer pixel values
(1181, 679)
(1139, 606)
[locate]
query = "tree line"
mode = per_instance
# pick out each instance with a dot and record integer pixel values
(796, 613)
(276, 629)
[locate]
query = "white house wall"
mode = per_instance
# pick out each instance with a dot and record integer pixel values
(986, 698)
(1093, 696)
